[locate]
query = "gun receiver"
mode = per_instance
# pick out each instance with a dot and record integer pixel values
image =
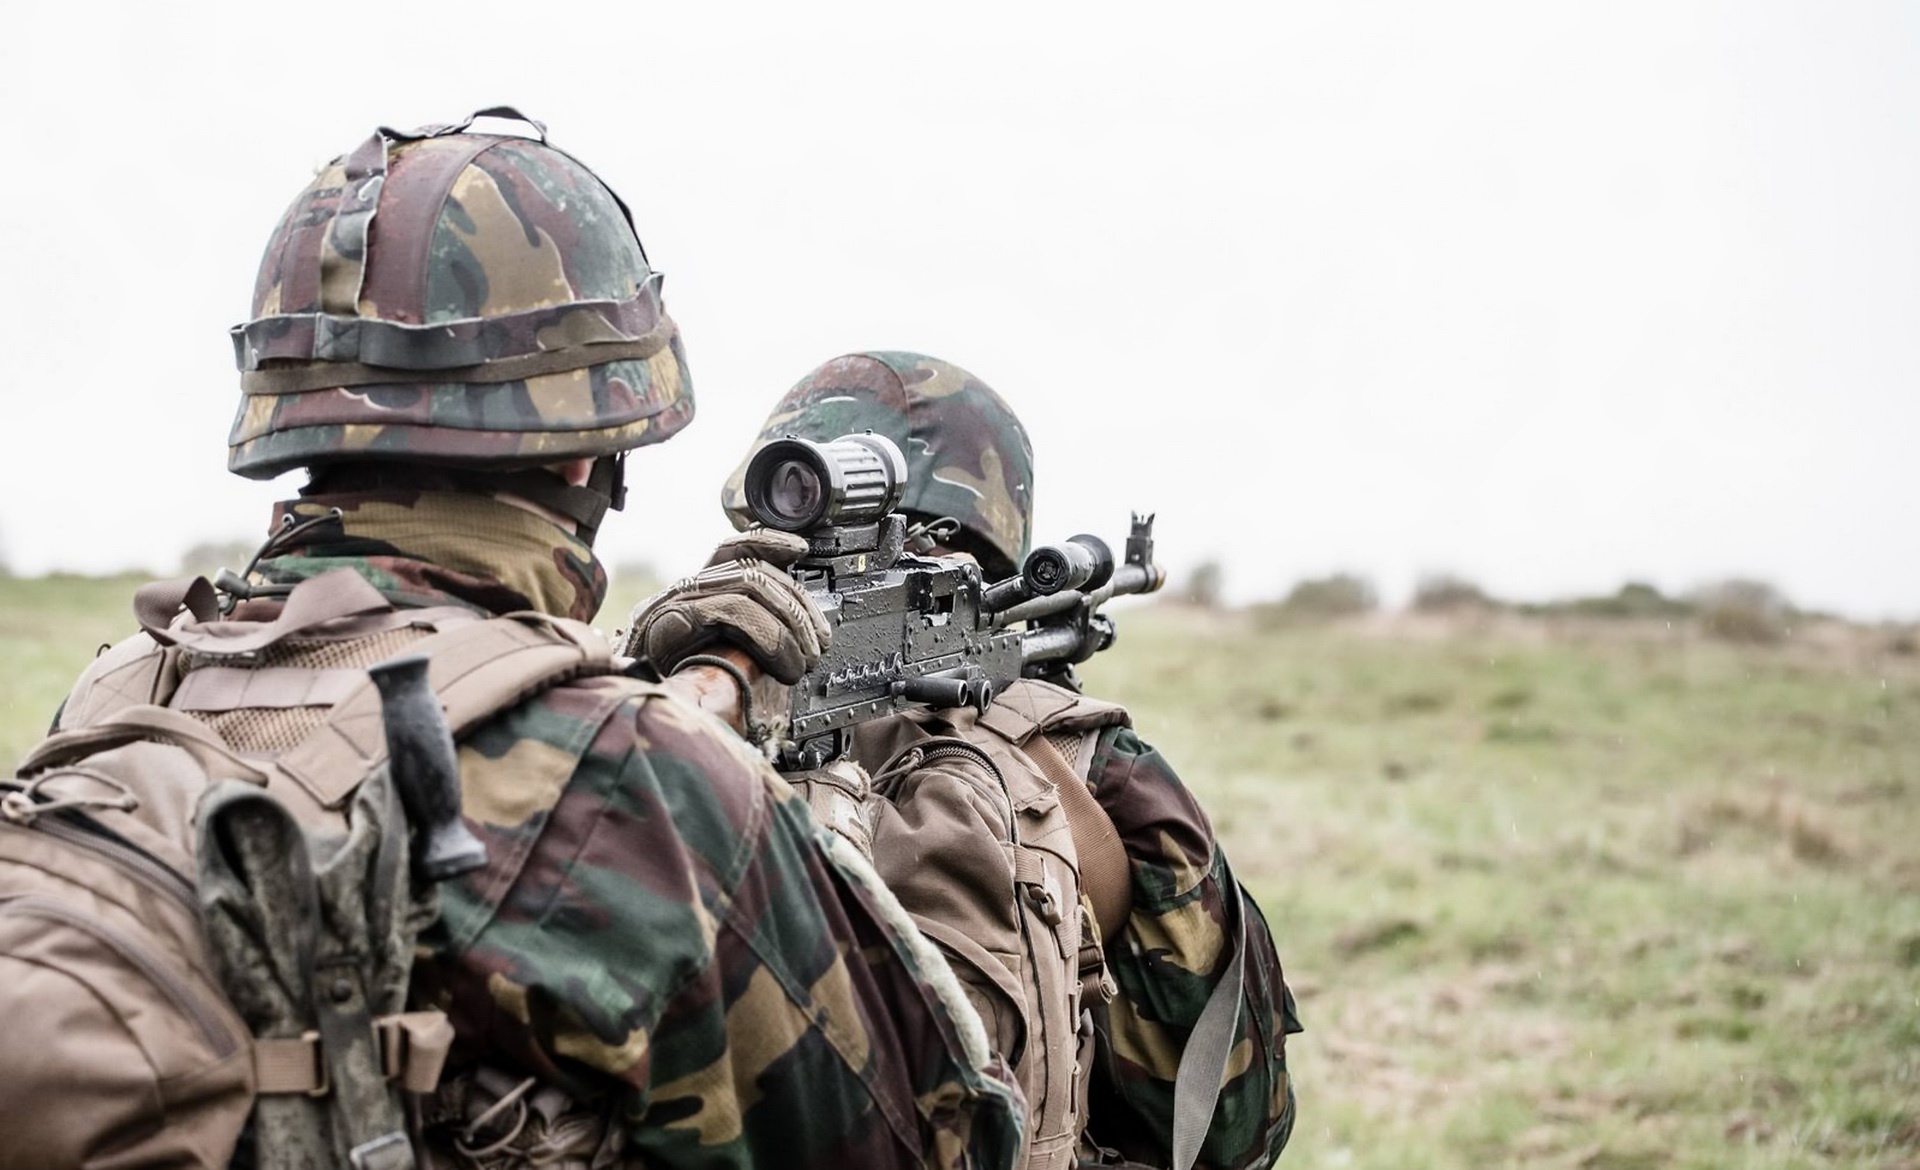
(921, 631)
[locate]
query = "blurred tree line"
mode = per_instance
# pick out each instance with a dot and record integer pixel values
(1734, 609)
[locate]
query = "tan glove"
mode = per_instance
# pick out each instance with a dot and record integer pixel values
(744, 599)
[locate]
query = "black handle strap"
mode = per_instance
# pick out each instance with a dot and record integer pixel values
(442, 129)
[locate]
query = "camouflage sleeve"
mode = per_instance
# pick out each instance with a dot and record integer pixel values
(659, 927)
(1167, 960)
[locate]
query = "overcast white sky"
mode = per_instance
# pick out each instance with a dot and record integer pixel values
(1549, 295)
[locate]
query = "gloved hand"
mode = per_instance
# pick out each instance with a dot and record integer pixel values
(744, 599)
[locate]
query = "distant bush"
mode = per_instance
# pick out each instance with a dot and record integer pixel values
(210, 556)
(1319, 599)
(1446, 593)
(1743, 610)
(1206, 586)
(1636, 600)
(640, 578)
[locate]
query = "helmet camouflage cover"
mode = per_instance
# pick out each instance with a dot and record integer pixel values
(455, 298)
(967, 454)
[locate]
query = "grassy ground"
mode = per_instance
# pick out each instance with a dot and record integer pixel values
(49, 628)
(1605, 897)
(1594, 897)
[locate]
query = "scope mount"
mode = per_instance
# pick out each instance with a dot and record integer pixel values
(857, 548)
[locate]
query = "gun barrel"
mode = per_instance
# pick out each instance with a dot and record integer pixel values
(1126, 579)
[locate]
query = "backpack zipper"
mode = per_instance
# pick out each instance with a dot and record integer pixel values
(137, 862)
(919, 757)
(212, 1028)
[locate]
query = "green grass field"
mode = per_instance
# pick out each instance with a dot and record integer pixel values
(1611, 897)
(1582, 896)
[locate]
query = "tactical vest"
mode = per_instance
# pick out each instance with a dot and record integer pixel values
(984, 828)
(191, 762)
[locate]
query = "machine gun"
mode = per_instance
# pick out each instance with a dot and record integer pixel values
(913, 630)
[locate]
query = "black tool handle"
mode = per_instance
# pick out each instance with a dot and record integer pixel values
(426, 772)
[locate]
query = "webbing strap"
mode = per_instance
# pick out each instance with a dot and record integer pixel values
(277, 688)
(1105, 875)
(335, 594)
(1203, 1064)
(476, 670)
(363, 351)
(413, 1051)
(1028, 868)
(157, 603)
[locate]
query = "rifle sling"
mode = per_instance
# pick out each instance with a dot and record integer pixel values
(1203, 1063)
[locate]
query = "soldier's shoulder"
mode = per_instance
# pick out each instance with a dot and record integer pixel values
(634, 750)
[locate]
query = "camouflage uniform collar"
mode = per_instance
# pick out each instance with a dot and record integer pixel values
(422, 548)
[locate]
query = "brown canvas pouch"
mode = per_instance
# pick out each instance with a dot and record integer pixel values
(119, 1049)
(972, 839)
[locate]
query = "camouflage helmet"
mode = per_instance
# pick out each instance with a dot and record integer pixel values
(967, 454)
(459, 299)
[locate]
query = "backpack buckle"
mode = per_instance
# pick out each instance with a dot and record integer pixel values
(322, 1076)
(1046, 901)
(387, 1152)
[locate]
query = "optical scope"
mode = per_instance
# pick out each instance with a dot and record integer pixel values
(798, 485)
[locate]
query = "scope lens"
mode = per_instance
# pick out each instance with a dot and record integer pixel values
(794, 492)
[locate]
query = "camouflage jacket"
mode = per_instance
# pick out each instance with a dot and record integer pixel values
(1166, 961)
(660, 932)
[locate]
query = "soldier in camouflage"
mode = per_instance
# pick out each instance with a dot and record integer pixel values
(969, 460)
(460, 337)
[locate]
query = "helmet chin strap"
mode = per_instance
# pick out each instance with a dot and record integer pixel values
(584, 504)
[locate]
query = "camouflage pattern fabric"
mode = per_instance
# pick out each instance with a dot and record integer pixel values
(1166, 961)
(660, 930)
(516, 251)
(419, 548)
(967, 454)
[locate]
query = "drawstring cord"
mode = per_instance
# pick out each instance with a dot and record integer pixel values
(23, 805)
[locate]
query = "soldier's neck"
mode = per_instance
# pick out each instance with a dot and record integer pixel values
(439, 548)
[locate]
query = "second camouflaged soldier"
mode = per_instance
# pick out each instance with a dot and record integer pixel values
(459, 337)
(970, 488)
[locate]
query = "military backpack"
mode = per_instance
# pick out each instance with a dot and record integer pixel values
(984, 828)
(207, 910)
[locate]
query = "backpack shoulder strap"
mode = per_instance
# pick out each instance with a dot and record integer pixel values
(1029, 707)
(133, 723)
(1029, 713)
(476, 670)
(1106, 877)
